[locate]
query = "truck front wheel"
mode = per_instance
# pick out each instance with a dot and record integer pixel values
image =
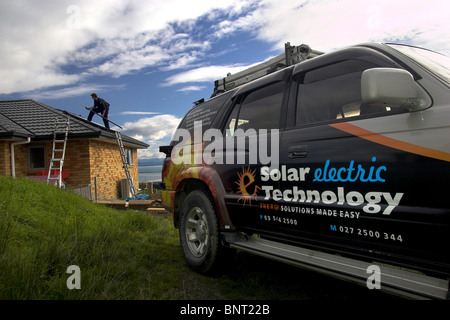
(199, 234)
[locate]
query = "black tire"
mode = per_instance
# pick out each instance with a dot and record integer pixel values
(199, 232)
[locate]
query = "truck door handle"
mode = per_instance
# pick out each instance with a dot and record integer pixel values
(298, 151)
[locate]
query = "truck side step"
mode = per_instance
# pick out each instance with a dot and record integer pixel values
(398, 281)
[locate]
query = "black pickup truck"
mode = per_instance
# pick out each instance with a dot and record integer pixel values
(339, 163)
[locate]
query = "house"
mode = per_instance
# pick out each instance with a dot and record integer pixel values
(92, 153)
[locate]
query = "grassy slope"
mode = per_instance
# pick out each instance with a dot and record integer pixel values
(43, 230)
(125, 255)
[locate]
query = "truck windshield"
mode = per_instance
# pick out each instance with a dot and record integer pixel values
(433, 61)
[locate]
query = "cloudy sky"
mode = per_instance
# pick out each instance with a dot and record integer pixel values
(151, 59)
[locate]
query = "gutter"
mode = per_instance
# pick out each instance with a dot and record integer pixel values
(13, 163)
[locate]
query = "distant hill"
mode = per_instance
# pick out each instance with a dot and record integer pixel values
(150, 162)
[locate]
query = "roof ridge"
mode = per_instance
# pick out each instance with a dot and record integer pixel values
(81, 120)
(15, 100)
(19, 125)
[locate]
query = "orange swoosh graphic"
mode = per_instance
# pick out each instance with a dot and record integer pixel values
(392, 143)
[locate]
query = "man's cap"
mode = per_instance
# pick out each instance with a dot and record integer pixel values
(93, 95)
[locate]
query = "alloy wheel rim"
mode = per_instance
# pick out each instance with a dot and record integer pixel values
(197, 231)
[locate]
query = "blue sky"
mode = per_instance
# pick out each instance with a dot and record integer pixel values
(151, 59)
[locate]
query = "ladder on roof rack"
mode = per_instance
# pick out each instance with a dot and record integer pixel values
(290, 56)
(59, 150)
(125, 164)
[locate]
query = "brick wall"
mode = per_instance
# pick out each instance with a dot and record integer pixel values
(5, 150)
(21, 159)
(76, 162)
(106, 165)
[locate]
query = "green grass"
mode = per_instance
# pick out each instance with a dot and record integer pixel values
(44, 230)
(125, 255)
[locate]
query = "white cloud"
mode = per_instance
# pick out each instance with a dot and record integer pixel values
(191, 88)
(137, 113)
(84, 89)
(327, 25)
(203, 74)
(250, 23)
(153, 128)
(111, 37)
(152, 152)
(155, 131)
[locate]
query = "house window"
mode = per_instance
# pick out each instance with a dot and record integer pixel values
(36, 157)
(129, 156)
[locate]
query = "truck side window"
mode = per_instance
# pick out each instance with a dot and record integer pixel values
(204, 112)
(333, 92)
(260, 109)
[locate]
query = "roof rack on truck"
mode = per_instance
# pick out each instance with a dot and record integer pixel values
(290, 56)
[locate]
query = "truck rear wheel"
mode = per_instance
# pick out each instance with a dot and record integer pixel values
(199, 232)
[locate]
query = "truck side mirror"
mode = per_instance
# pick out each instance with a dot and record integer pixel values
(394, 88)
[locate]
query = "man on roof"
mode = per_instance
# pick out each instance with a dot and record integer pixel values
(101, 107)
